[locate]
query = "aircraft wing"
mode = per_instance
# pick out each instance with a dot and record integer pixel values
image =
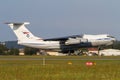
(63, 38)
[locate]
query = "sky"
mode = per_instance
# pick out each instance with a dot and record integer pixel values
(59, 18)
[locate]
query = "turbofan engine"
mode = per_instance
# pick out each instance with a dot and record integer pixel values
(71, 41)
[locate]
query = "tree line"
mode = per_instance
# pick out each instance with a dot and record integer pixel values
(15, 51)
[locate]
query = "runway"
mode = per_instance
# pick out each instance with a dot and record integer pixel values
(57, 58)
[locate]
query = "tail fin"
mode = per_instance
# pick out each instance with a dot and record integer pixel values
(21, 31)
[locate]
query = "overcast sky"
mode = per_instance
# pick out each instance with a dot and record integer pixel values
(58, 18)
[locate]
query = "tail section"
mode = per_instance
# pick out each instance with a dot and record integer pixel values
(21, 31)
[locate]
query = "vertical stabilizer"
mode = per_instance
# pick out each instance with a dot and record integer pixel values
(21, 31)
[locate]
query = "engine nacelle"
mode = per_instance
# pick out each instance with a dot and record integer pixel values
(72, 41)
(83, 40)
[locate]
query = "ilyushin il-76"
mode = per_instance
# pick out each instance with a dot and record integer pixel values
(62, 44)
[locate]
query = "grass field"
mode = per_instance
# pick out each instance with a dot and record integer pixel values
(58, 68)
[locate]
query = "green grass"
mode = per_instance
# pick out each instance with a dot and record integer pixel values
(58, 69)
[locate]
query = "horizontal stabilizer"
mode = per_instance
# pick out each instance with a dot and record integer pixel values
(17, 23)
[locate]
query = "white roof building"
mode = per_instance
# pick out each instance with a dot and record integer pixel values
(109, 52)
